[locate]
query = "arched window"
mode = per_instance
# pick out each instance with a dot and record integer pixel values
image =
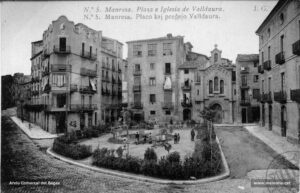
(216, 84)
(210, 87)
(222, 86)
(215, 57)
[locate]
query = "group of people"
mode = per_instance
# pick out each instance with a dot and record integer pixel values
(137, 138)
(176, 138)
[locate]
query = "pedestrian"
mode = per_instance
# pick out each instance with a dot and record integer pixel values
(192, 134)
(137, 137)
(145, 139)
(175, 138)
(178, 138)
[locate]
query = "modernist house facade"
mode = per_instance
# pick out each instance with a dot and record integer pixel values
(67, 77)
(279, 49)
(248, 88)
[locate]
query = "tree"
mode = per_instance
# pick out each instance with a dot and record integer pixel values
(207, 114)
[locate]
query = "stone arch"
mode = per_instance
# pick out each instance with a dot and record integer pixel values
(217, 107)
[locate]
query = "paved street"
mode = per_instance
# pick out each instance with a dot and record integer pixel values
(23, 159)
(245, 153)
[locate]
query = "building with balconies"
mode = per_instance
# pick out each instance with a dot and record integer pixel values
(207, 82)
(152, 80)
(279, 36)
(66, 77)
(248, 88)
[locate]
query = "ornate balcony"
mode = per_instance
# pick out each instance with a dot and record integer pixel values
(244, 70)
(267, 65)
(137, 73)
(186, 87)
(280, 96)
(45, 72)
(186, 103)
(266, 97)
(260, 69)
(87, 90)
(62, 50)
(83, 107)
(245, 102)
(137, 105)
(296, 48)
(34, 107)
(244, 85)
(295, 95)
(35, 92)
(88, 72)
(136, 88)
(167, 105)
(73, 88)
(88, 55)
(61, 68)
(279, 58)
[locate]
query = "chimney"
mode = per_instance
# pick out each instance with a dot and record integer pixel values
(169, 35)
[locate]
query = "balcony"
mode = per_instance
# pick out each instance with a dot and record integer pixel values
(83, 107)
(295, 95)
(266, 97)
(279, 58)
(260, 69)
(119, 95)
(136, 88)
(87, 90)
(186, 103)
(45, 54)
(137, 73)
(35, 79)
(186, 87)
(88, 55)
(34, 107)
(244, 85)
(167, 105)
(45, 72)
(61, 68)
(244, 70)
(62, 50)
(73, 88)
(35, 92)
(267, 65)
(245, 102)
(280, 96)
(88, 72)
(137, 105)
(296, 48)
(47, 88)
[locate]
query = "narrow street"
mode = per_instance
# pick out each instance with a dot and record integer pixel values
(244, 152)
(23, 159)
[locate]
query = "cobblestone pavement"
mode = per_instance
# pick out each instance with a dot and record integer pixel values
(245, 153)
(23, 159)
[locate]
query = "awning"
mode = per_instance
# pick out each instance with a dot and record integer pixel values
(45, 83)
(93, 85)
(168, 83)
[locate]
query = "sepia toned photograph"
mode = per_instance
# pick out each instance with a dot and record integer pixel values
(150, 96)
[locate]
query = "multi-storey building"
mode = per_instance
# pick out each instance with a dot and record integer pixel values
(279, 49)
(248, 88)
(207, 82)
(66, 71)
(153, 89)
(112, 62)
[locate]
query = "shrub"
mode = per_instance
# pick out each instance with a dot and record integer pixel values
(150, 168)
(74, 151)
(120, 152)
(150, 155)
(173, 157)
(132, 164)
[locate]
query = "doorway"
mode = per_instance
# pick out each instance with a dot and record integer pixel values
(218, 113)
(60, 122)
(244, 115)
(186, 114)
(270, 117)
(283, 121)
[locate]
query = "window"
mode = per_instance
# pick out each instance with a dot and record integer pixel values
(255, 64)
(168, 112)
(152, 112)
(62, 44)
(222, 86)
(152, 66)
(281, 43)
(113, 64)
(82, 48)
(186, 71)
(90, 119)
(95, 118)
(59, 80)
(152, 98)
(233, 76)
(215, 57)
(168, 97)
(167, 68)
(269, 32)
(82, 99)
(255, 78)
(151, 49)
(269, 52)
(90, 100)
(244, 80)
(152, 81)
(263, 86)
(262, 57)
(137, 50)
(210, 87)
(198, 92)
(281, 17)
(167, 49)
(256, 94)
(137, 68)
(137, 98)
(91, 51)
(216, 84)
(198, 78)
(269, 84)
(282, 80)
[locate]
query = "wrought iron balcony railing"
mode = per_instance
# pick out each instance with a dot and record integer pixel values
(87, 90)
(61, 68)
(137, 105)
(296, 48)
(62, 50)
(244, 70)
(136, 88)
(83, 107)
(260, 69)
(186, 87)
(279, 58)
(280, 96)
(267, 65)
(266, 97)
(295, 95)
(137, 72)
(167, 105)
(88, 72)
(245, 102)
(186, 103)
(88, 55)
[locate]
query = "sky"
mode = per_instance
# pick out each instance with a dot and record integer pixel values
(233, 31)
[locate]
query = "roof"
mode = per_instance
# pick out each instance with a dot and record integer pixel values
(157, 39)
(39, 41)
(271, 14)
(247, 57)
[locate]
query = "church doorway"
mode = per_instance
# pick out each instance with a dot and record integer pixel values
(219, 113)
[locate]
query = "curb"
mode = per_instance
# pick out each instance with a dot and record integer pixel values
(222, 176)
